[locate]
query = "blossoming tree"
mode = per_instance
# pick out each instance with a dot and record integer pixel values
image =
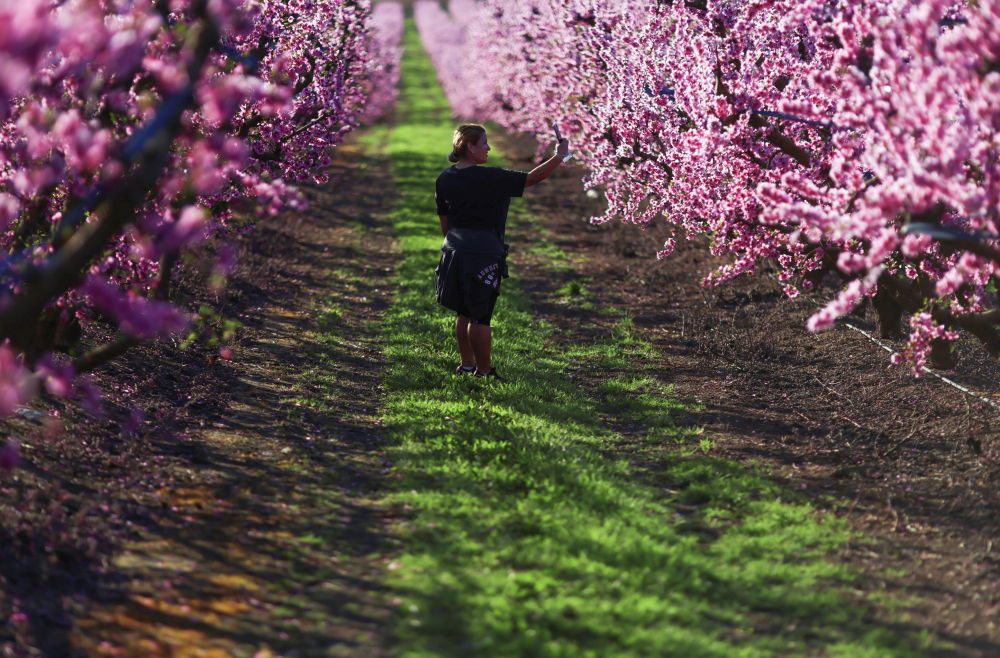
(809, 133)
(133, 129)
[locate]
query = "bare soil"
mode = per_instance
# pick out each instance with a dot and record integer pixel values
(913, 464)
(242, 519)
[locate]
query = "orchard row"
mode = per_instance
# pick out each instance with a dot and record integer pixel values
(826, 137)
(132, 130)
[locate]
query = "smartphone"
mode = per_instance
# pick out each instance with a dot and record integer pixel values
(555, 129)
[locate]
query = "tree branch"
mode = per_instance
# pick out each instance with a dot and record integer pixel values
(63, 269)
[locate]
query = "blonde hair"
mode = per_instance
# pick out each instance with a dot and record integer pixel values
(465, 134)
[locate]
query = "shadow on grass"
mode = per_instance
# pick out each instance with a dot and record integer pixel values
(531, 540)
(893, 589)
(529, 537)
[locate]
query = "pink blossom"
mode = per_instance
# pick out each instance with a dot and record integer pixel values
(668, 248)
(657, 99)
(57, 377)
(914, 245)
(189, 229)
(964, 271)
(82, 82)
(851, 262)
(136, 316)
(844, 303)
(10, 208)
(918, 348)
(26, 30)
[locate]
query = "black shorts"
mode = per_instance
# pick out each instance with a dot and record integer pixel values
(469, 284)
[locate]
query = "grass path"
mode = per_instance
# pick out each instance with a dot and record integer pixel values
(528, 536)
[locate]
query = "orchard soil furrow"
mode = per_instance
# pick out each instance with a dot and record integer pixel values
(258, 531)
(271, 537)
(913, 464)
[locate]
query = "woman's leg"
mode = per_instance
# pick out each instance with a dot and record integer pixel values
(482, 343)
(465, 348)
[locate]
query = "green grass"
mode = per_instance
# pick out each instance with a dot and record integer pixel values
(528, 534)
(556, 257)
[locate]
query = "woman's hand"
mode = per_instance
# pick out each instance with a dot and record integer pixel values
(562, 144)
(544, 170)
(562, 147)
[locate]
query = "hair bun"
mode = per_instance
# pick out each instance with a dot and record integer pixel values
(465, 134)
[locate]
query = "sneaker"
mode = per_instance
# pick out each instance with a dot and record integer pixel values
(465, 370)
(492, 374)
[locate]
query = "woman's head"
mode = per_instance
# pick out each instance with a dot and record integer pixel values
(469, 143)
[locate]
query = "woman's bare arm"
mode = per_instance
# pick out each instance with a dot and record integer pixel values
(544, 170)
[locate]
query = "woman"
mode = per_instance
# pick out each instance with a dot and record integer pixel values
(472, 202)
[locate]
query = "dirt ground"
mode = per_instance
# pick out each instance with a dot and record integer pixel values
(241, 519)
(912, 463)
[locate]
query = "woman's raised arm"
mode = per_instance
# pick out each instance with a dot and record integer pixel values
(544, 170)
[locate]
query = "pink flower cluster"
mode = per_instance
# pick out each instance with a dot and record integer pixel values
(443, 34)
(130, 131)
(136, 316)
(924, 331)
(801, 132)
(387, 23)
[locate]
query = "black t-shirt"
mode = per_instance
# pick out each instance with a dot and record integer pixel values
(478, 197)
